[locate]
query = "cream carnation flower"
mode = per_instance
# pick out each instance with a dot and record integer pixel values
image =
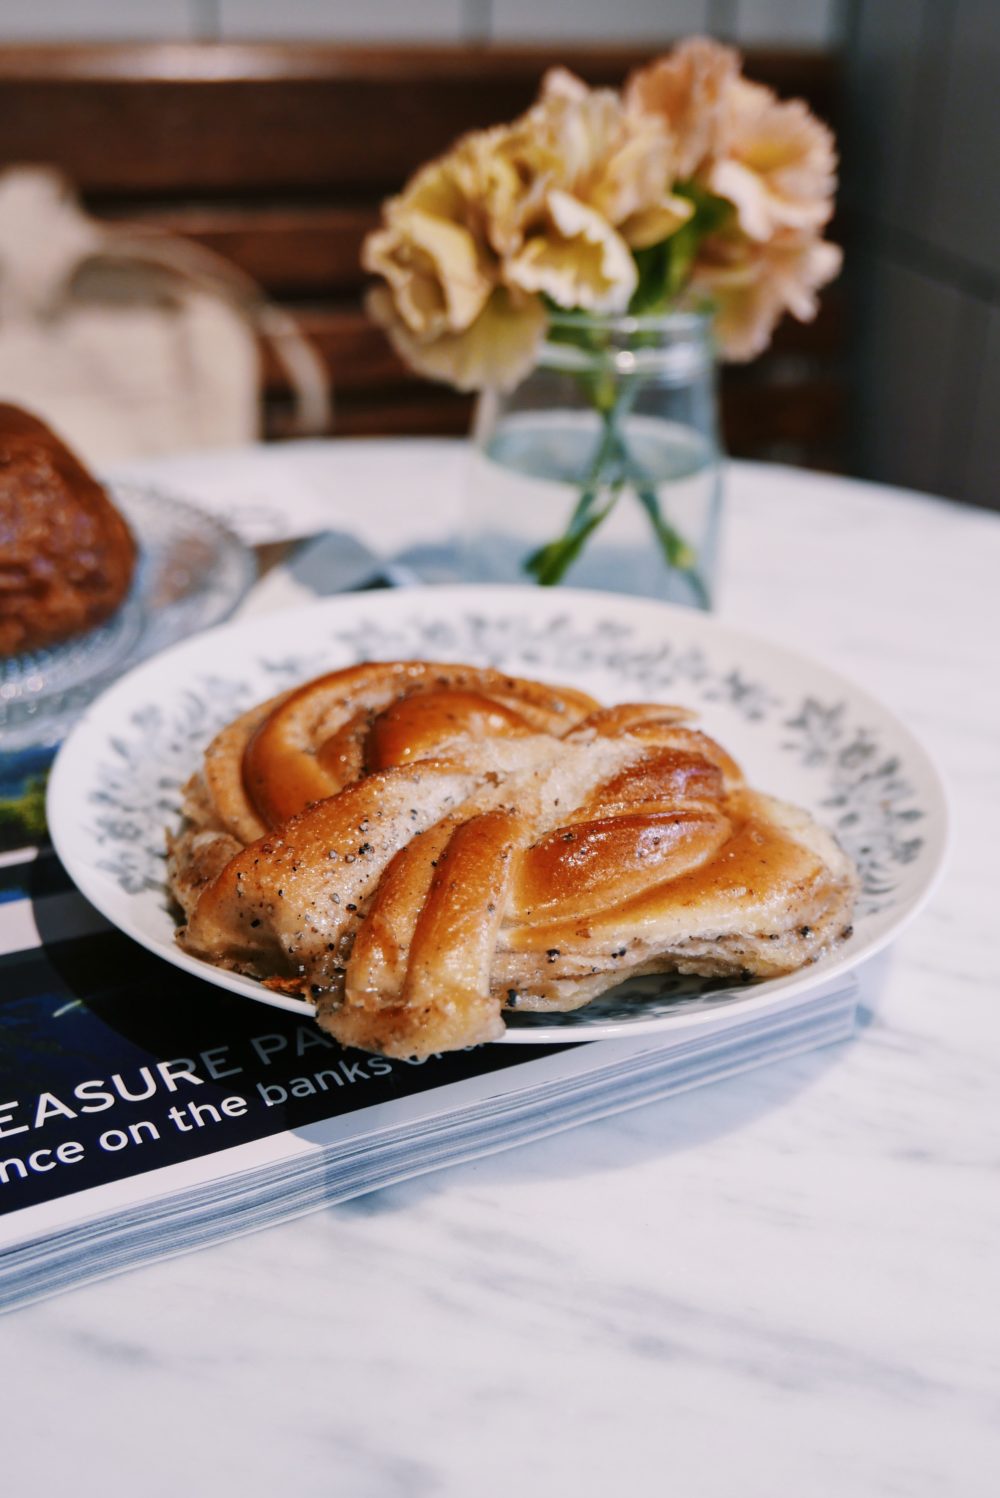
(439, 270)
(557, 205)
(687, 90)
(442, 303)
(773, 160)
(752, 285)
(779, 165)
(497, 349)
(506, 173)
(621, 165)
(579, 261)
(596, 186)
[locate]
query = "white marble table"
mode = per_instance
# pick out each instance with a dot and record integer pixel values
(788, 1284)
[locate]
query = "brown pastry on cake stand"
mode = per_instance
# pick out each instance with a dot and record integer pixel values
(92, 580)
(67, 556)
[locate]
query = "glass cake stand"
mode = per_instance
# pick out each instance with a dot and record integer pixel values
(191, 573)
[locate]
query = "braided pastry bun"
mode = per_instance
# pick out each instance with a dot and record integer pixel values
(419, 846)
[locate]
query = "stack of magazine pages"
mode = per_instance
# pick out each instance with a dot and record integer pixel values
(144, 1112)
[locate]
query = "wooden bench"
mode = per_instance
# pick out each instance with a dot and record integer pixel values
(277, 156)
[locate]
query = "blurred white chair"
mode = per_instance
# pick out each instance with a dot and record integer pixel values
(132, 342)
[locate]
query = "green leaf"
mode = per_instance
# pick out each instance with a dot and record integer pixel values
(665, 268)
(649, 296)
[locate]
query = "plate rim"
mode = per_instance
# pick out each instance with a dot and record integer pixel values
(760, 995)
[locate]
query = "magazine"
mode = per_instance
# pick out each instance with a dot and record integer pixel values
(144, 1112)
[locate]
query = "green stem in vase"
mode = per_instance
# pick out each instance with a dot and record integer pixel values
(549, 564)
(612, 467)
(676, 551)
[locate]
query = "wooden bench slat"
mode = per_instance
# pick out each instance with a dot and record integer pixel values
(796, 430)
(287, 249)
(806, 71)
(360, 357)
(122, 118)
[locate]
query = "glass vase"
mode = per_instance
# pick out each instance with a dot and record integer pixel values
(602, 468)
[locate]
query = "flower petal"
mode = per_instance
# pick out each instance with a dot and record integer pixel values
(779, 165)
(653, 225)
(687, 88)
(753, 284)
(580, 262)
(497, 349)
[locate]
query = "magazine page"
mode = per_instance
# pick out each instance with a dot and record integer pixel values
(125, 1081)
(114, 1065)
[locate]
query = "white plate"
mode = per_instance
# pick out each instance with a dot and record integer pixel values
(799, 730)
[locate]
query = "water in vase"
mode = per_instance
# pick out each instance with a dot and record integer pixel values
(526, 481)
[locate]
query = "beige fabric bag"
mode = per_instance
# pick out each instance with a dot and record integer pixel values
(132, 343)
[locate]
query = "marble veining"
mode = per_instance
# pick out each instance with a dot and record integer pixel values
(784, 1284)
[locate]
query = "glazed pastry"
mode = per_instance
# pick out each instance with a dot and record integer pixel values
(420, 846)
(66, 555)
